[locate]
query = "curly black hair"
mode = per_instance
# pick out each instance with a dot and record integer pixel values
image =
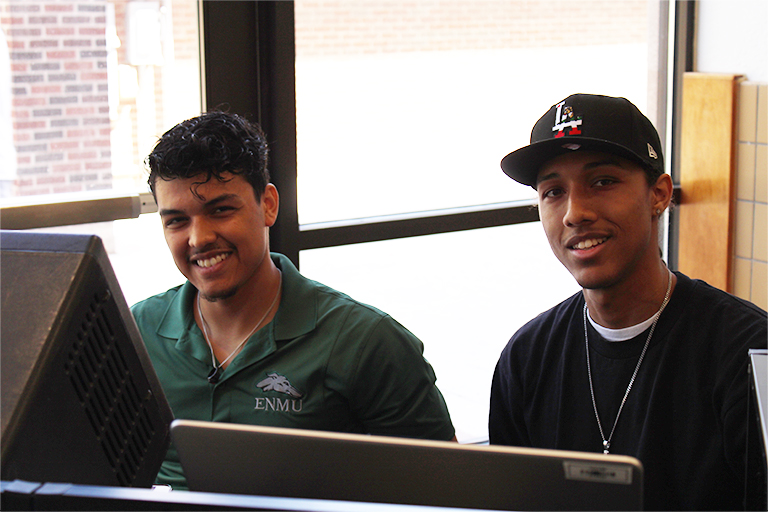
(208, 146)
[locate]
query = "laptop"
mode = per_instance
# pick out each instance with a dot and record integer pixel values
(270, 461)
(759, 364)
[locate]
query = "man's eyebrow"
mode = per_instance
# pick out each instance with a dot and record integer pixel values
(213, 202)
(546, 177)
(169, 211)
(221, 199)
(616, 162)
(608, 161)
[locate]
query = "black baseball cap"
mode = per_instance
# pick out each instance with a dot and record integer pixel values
(587, 122)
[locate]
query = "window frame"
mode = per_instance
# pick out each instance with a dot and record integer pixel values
(247, 61)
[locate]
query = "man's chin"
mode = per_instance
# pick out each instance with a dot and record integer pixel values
(591, 280)
(217, 295)
(596, 283)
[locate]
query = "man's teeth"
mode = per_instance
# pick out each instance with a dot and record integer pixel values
(211, 262)
(586, 244)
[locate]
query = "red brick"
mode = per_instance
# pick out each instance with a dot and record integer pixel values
(51, 180)
(93, 76)
(67, 189)
(98, 165)
(43, 89)
(82, 155)
(28, 125)
(96, 143)
(80, 111)
(81, 133)
(75, 66)
(60, 55)
(69, 144)
(59, 8)
(60, 31)
(34, 191)
(66, 167)
(88, 31)
(48, 43)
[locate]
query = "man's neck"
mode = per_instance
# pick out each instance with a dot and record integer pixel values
(230, 320)
(631, 302)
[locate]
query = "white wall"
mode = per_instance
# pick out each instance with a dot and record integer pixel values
(732, 37)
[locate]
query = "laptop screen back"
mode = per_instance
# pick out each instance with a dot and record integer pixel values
(269, 461)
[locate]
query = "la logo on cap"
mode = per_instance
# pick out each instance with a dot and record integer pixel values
(565, 118)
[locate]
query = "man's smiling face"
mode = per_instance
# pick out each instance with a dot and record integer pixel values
(217, 231)
(597, 211)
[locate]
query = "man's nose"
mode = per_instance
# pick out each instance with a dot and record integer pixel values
(579, 209)
(201, 233)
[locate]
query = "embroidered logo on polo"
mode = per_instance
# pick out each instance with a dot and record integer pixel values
(276, 383)
(565, 119)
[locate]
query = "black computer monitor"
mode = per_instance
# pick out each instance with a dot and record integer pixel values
(80, 400)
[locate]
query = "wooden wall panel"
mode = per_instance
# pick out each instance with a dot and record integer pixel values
(707, 177)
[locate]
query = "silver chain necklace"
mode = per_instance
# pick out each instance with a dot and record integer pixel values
(213, 376)
(607, 442)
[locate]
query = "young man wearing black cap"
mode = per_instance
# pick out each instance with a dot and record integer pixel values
(644, 361)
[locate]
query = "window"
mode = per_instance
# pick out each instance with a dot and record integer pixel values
(387, 122)
(403, 111)
(93, 83)
(88, 86)
(406, 106)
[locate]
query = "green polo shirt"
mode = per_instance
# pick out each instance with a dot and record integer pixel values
(325, 362)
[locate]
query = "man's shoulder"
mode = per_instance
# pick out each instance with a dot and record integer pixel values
(700, 290)
(703, 312)
(329, 300)
(350, 315)
(704, 301)
(332, 298)
(557, 316)
(156, 303)
(548, 330)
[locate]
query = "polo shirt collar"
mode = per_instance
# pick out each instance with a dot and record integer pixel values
(296, 316)
(178, 323)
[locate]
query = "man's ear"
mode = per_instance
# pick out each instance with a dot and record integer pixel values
(662, 192)
(270, 202)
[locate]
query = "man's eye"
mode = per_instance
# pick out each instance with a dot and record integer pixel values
(605, 182)
(173, 222)
(553, 192)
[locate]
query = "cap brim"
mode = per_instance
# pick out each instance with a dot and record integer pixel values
(523, 165)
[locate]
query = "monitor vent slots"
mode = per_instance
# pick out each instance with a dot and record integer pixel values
(106, 389)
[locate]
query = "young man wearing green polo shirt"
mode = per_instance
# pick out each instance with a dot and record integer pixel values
(248, 339)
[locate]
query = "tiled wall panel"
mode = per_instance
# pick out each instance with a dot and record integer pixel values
(751, 230)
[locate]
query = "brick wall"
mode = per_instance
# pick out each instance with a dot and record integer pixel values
(347, 27)
(65, 135)
(60, 109)
(58, 56)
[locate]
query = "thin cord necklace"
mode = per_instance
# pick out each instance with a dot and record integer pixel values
(607, 442)
(213, 376)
